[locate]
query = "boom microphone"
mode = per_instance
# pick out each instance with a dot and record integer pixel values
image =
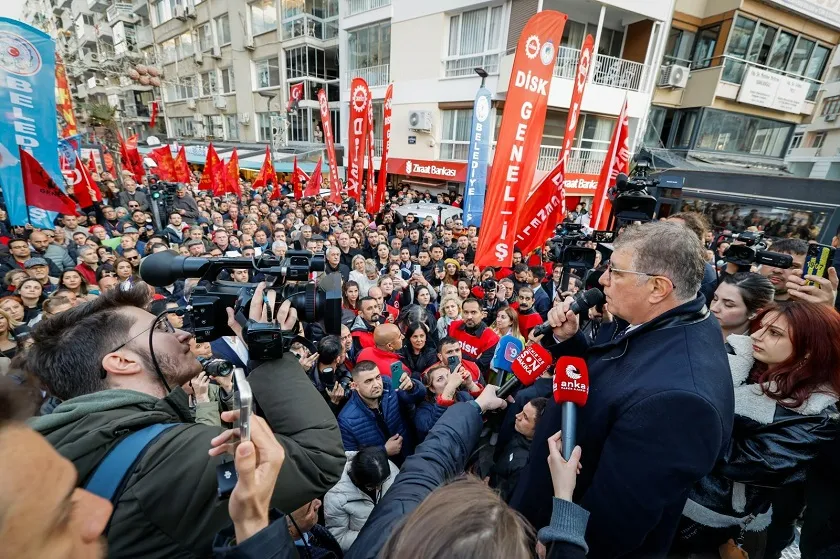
(527, 368)
(571, 389)
(582, 302)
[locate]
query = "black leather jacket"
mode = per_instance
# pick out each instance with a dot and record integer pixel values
(772, 446)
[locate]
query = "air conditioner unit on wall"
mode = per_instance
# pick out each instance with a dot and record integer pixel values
(191, 104)
(674, 76)
(199, 57)
(420, 121)
(244, 119)
(180, 13)
(831, 117)
(249, 42)
(220, 102)
(216, 52)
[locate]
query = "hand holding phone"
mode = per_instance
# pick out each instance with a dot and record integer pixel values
(818, 260)
(243, 400)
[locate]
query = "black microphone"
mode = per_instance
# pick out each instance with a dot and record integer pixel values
(583, 301)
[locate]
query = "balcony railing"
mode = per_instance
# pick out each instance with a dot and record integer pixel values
(375, 76)
(377, 147)
(609, 70)
(460, 66)
(583, 161)
(734, 70)
(567, 60)
(358, 6)
(306, 25)
(120, 10)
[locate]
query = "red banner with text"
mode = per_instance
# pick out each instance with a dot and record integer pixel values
(617, 161)
(518, 143)
(356, 136)
(329, 141)
(386, 148)
(370, 187)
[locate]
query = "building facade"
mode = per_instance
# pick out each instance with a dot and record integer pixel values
(430, 51)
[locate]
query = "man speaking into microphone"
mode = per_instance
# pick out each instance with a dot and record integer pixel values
(660, 405)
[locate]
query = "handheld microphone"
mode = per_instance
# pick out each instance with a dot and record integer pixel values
(507, 350)
(583, 301)
(527, 368)
(571, 389)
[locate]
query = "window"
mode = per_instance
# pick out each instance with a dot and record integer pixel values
(305, 61)
(263, 127)
(831, 106)
(184, 88)
(725, 131)
(170, 54)
(184, 45)
(795, 142)
(818, 140)
(227, 80)
(215, 126)
(299, 125)
(775, 221)
(263, 16)
(163, 11)
(655, 125)
(762, 42)
(232, 126)
(781, 50)
(208, 83)
(87, 19)
(205, 37)
(678, 47)
(223, 29)
(370, 46)
(704, 47)
(182, 127)
(268, 72)
(801, 54)
(455, 134)
(475, 39)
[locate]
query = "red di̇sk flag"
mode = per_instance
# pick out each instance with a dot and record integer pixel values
(165, 164)
(326, 124)
(313, 187)
(356, 136)
(544, 207)
(295, 95)
(136, 162)
(518, 144)
(211, 177)
(40, 190)
(266, 174)
(386, 148)
(296, 186)
(182, 170)
(617, 161)
(232, 175)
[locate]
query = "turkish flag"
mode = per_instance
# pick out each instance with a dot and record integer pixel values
(182, 170)
(232, 175)
(295, 95)
(92, 164)
(40, 190)
(211, 176)
(266, 174)
(313, 187)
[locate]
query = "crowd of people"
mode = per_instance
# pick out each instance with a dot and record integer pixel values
(711, 422)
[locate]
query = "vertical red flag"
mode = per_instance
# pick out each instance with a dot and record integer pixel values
(266, 173)
(166, 165)
(135, 162)
(182, 170)
(210, 176)
(313, 187)
(518, 145)
(543, 209)
(153, 120)
(386, 148)
(617, 161)
(40, 190)
(232, 175)
(356, 136)
(326, 124)
(295, 95)
(84, 188)
(92, 164)
(370, 189)
(296, 186)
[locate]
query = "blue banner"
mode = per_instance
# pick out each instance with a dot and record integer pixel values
(477, 159)
(27, 109)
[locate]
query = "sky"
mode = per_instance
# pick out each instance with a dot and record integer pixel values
(11, 8)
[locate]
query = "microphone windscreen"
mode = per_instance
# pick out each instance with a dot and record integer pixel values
(571, 381)
(531, 363)
(508, 348)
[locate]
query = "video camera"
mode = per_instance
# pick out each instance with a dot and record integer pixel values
(209, 299)
(752, 251)
(564, 248)
(630, 198)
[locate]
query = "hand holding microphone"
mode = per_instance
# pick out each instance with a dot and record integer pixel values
(571, 390)
(563, 321)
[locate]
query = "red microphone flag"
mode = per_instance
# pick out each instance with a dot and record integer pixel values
(518, 145)
(533, 361)
(40, 190)
(571, 381)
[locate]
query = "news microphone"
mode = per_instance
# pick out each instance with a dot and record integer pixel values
(507, 350)
(527, 368)
(571, 389)
(583, 301)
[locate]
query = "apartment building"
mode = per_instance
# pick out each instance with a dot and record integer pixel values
(737, 79)
(430, 51)
(815, 148)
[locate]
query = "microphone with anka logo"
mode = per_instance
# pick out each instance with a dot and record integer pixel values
(583, 301)
(527, 368)
(571, 389)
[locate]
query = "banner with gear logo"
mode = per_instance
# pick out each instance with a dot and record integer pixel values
(357, 136)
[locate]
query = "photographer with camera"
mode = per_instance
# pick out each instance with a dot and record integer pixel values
(329, 374)
(661, 404)
(128, 378)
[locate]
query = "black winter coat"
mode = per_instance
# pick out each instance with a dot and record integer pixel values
(509, 465)
(659, 416)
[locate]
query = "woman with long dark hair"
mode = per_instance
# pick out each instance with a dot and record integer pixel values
(31, 294)
(418, 352)
(787, 380)
(349, 301)
(738, 299)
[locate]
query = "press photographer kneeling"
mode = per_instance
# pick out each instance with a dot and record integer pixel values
(118, 369)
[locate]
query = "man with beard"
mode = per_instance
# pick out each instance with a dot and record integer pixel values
(128, 378)
(365, 323)
(529, 318)
(796, 248)
(478, 342)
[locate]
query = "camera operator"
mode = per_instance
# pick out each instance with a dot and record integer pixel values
(661, 402)
(329, 373)
(789, 284)
(490, 303)
(121, 383)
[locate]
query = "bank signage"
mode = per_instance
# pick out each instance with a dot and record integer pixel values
(455, 171)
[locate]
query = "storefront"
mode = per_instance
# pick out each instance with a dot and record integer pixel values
(434, 176)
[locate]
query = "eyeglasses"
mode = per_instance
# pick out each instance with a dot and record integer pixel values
(160, 324)
(610, 271)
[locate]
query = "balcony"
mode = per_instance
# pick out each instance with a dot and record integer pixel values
(377, 147)
(609, 70)
(464, 66)
(84, 34)
(359, 6)
(306, 25)
(98, 6)
(140, 7)
(143, 36)
(581, 161)
(375, 76)
(121, 12)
